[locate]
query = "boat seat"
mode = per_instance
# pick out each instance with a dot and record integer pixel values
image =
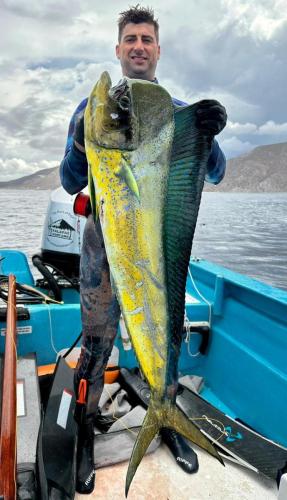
(15, 262)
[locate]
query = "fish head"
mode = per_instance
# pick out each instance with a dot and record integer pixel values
(110, 121)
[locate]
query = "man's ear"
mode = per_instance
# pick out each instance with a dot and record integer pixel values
(158, 53)
(118, 51)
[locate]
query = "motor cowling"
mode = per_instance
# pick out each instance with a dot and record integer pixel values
(63, 233)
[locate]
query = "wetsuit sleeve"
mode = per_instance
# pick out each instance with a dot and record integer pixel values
(74, 166)
(216, 164)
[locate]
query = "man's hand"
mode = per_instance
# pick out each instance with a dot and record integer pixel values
(211, 117)
(79, 132)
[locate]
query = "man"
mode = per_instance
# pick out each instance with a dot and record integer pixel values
(138, 51)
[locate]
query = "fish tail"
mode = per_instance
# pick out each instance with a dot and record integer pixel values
(165, 415)
(149, 429)
(176, 420)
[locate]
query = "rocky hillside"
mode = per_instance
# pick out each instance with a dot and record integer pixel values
(43, 179)
(264, 169)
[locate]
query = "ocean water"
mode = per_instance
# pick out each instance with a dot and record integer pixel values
(243, 232)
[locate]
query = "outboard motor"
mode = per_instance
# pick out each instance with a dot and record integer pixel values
(59, 259)
(63, 234)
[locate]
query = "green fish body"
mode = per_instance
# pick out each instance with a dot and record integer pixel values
(147, 165)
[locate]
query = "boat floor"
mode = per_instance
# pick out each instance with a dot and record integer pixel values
(159, 478)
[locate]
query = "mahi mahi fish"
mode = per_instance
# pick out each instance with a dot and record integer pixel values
(147, 164)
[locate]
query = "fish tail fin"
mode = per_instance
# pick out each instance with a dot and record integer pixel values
(149, 429)
(176, 420)
(165, 415)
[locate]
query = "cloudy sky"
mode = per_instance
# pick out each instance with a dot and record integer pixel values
(53, 51)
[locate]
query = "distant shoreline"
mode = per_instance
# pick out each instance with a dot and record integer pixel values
(215, 190)
(262, 170)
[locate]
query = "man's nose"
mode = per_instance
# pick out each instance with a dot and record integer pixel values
(138, 44)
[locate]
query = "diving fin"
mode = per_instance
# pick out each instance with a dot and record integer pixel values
(57, 438)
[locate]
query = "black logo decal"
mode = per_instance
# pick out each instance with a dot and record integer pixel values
(60, 229)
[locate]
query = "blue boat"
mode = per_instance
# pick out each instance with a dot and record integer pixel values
(235, 340)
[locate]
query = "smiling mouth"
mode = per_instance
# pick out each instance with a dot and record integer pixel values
(139, 58)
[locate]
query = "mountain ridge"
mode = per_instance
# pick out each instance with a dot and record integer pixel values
(263, 169)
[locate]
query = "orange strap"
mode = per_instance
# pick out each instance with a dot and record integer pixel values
(82, 391)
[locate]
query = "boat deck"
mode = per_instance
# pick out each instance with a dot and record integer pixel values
(159, 478)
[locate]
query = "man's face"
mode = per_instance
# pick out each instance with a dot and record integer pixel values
(138, 51)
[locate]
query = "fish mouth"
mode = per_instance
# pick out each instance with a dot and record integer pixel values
(121, 94)
(113, 123)
(121, 99)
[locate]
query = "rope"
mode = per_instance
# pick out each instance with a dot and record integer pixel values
(51, 330)
(113, 414)
(25, 294)
(201, 296)
(186, 319)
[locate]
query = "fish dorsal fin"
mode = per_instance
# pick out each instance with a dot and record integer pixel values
(189, 156)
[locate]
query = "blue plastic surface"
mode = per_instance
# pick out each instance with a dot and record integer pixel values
(15, 262)
(244, 368)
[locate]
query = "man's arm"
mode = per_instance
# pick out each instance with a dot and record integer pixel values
(216, 164)
(74, 166)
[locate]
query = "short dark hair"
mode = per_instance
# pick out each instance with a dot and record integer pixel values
(137, 15)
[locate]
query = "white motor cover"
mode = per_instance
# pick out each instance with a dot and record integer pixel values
(63, 230)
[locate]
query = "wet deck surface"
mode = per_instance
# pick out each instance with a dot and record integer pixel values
(159, 478)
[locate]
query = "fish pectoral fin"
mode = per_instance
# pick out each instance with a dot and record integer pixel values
(165, 415)
(92, 193)
(125, 173)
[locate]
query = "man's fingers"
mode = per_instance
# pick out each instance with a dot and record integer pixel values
(211, 116)
(210, 125)
(207, 103)
(213, 113)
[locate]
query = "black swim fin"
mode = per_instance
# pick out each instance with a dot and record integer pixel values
(57, 438)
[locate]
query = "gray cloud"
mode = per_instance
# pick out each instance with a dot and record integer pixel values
(52, 53)
(53, 11)
(228, 62)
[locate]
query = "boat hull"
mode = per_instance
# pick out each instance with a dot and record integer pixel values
(244, 365)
